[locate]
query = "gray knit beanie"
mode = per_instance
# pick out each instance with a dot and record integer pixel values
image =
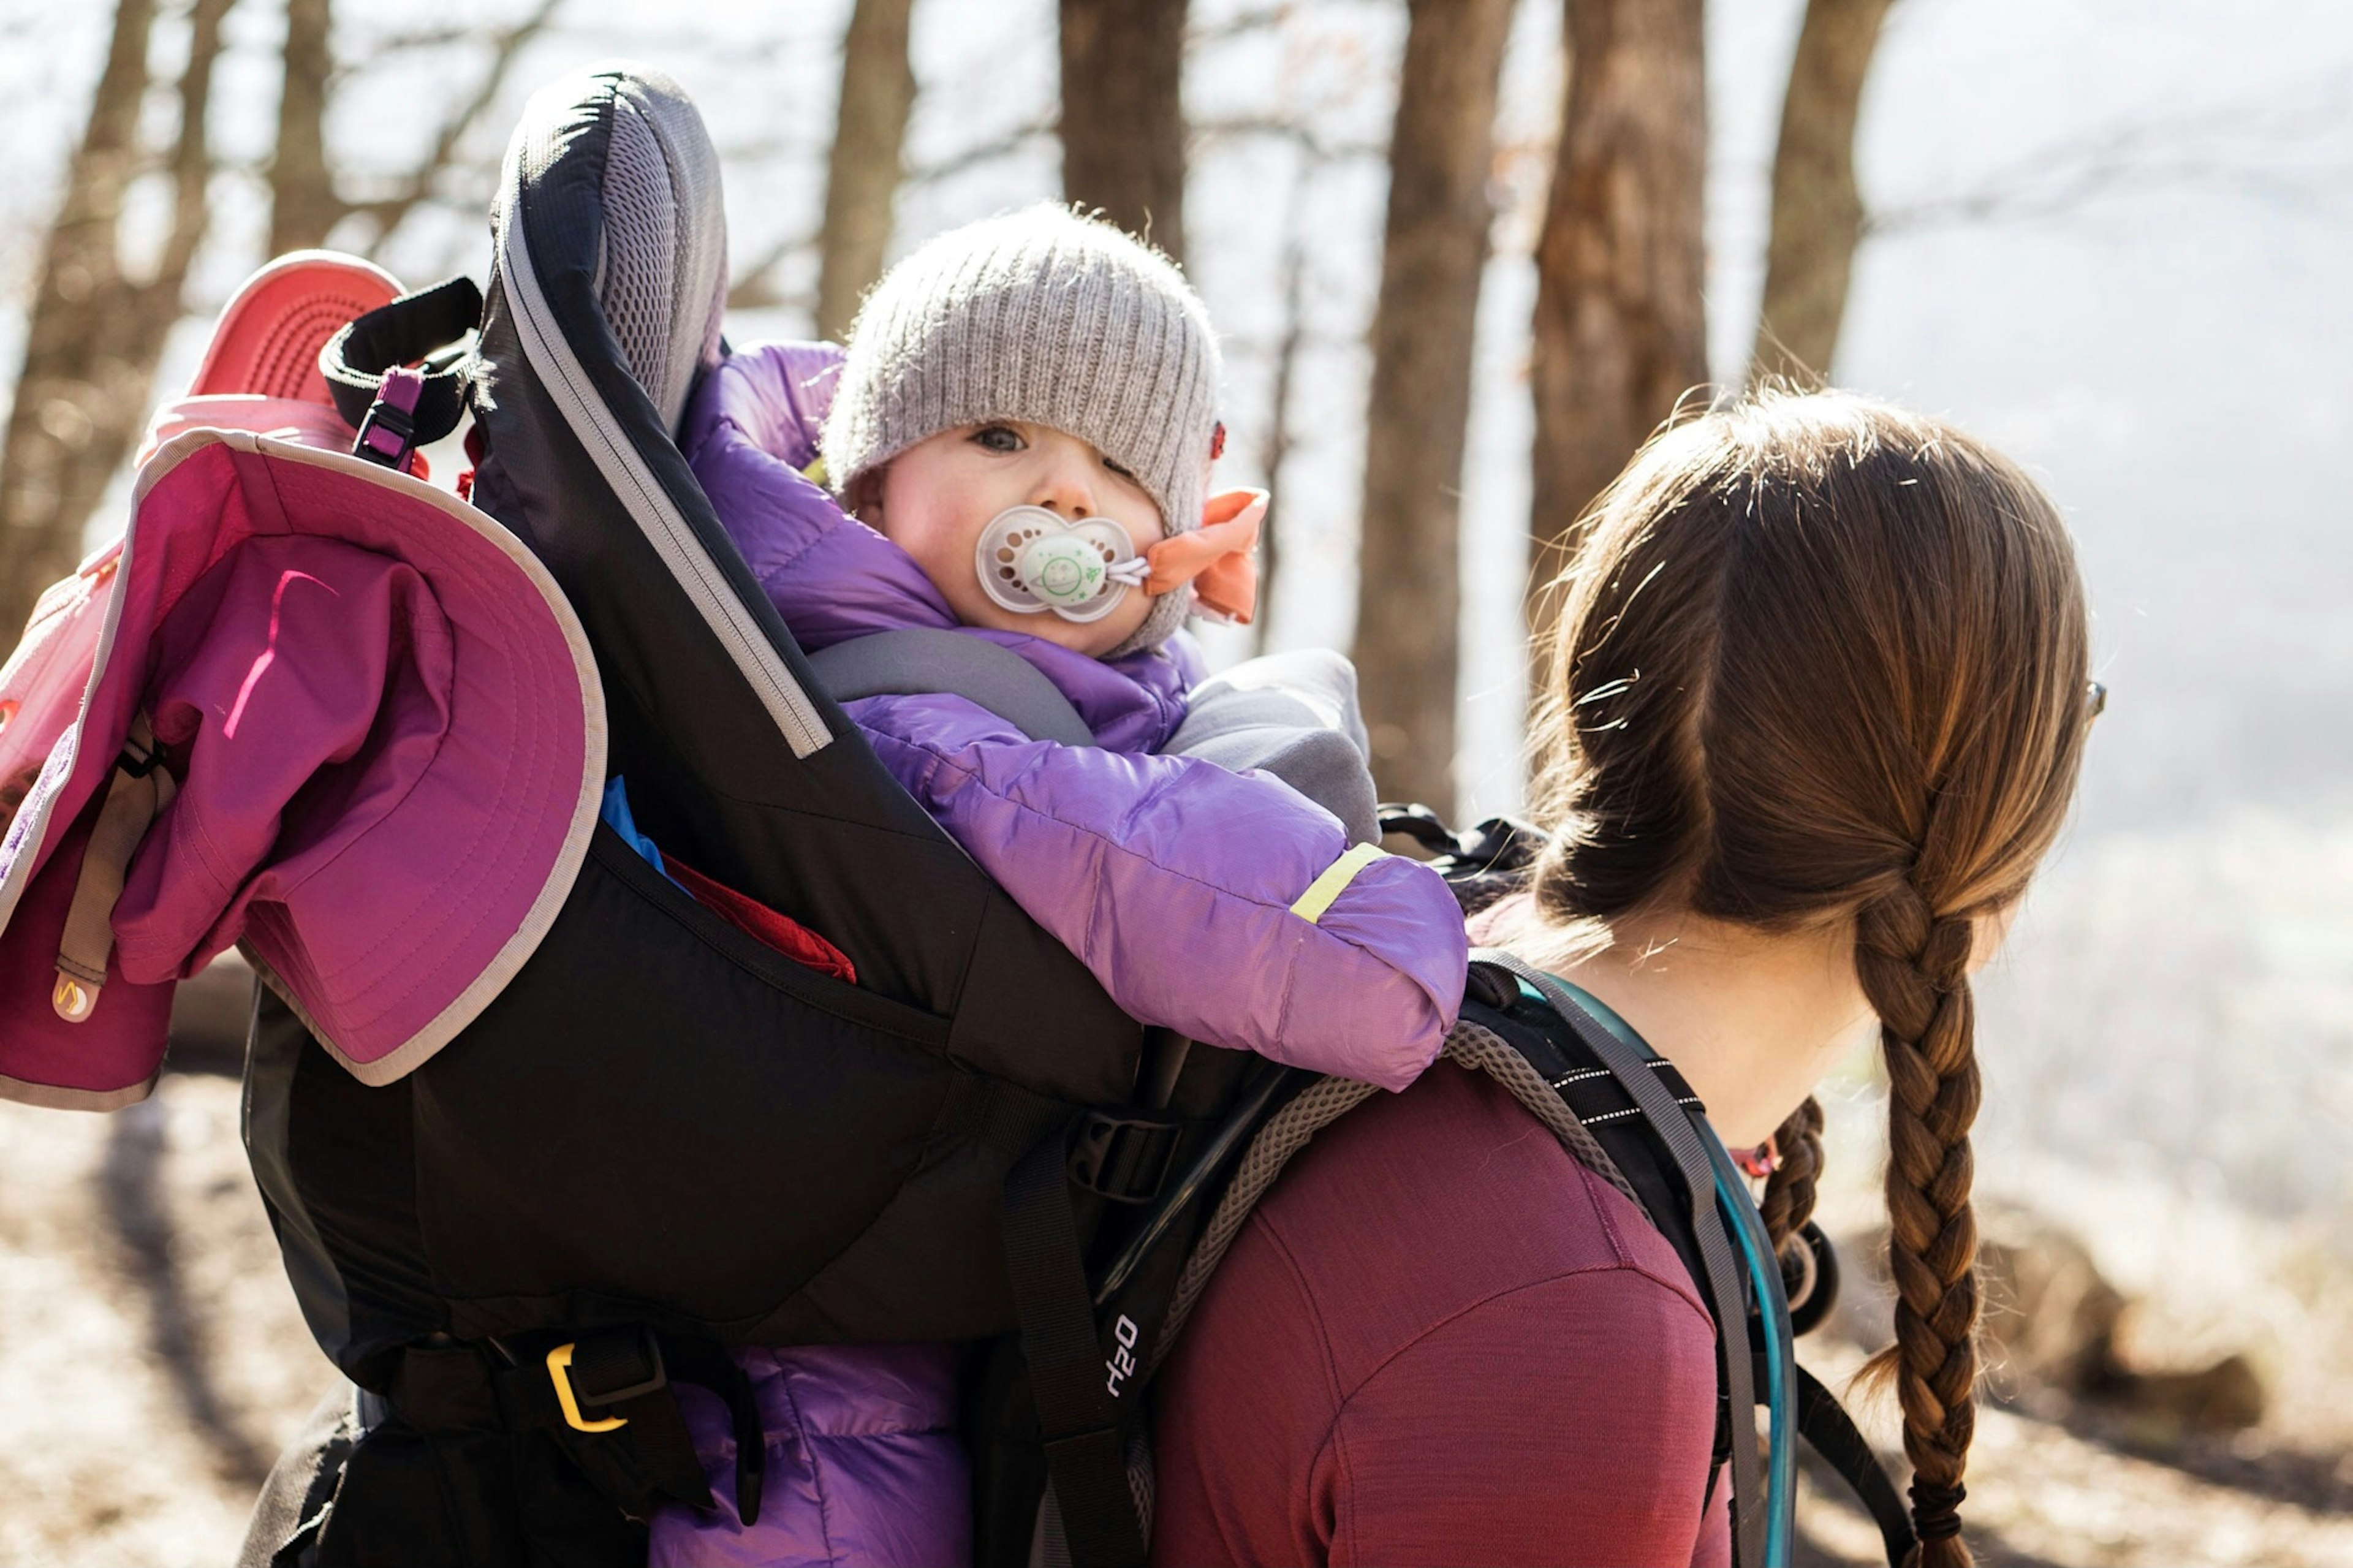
(1044, 316)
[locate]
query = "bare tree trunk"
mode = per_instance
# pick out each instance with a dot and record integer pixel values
(1279, 436)
(1124, 114)
(302, 202)
(1817, 212)
(1620, 330)
(94, 334)
(1435, 247)
(878, 90)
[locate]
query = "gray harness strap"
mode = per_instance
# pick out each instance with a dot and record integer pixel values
(915, 660)
(1323, 1102)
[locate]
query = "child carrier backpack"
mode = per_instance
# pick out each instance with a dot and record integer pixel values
(661, 1139)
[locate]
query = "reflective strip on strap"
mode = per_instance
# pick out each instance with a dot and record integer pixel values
(1334, 880)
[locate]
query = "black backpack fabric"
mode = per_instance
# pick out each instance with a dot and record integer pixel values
(661, 1140)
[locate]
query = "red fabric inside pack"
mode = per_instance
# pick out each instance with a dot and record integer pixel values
(763, 924)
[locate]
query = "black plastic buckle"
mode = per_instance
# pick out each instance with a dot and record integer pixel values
(138, 761)
(1123, 1158)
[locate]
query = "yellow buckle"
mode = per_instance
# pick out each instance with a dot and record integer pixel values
(559, 1368)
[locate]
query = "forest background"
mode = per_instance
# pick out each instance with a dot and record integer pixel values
(1465, 254)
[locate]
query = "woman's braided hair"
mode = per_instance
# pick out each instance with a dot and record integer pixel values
(1821, 665)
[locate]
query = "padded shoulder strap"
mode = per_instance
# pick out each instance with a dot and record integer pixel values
(917, 659)
(1688, 1144)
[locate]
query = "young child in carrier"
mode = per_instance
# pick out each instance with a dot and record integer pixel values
(1018, 444)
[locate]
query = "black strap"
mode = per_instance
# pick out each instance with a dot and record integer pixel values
(405, 331)
(621, 1371)
(1086, 1452)
(708, 1366)
(1823, 1422)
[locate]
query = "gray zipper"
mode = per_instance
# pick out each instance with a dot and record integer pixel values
(567, 383)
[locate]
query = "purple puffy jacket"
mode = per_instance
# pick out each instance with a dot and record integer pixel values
(1170, 877)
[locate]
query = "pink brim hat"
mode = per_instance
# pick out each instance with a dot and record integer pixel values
(260, 371)
(415, 755)
(267, 342)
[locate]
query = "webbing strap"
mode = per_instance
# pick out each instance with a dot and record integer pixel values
(1676, 1127)
(407, 330)
(1323, 890)
(137, 791)
(1086, 1455)
(1822, 1423)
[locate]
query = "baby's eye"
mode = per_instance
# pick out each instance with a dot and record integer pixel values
(999, 438)
(1123, 471)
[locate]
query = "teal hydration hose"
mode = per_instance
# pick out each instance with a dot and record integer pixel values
(1747, 1226)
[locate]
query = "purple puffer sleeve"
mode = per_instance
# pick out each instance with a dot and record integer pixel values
(749, 432)
(1172, 880)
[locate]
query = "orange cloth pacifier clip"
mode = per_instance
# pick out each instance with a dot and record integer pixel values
(1220, 559)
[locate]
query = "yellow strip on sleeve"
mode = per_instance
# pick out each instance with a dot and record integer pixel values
(1334, 881)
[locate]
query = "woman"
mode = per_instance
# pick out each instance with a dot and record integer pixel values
(1814, 713)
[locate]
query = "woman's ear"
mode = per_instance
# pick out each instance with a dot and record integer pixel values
(1992, 929)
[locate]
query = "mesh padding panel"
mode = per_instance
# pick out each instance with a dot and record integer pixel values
(662, 273)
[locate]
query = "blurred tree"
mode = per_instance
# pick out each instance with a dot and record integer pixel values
(1818, 215)
(302, 202)
(95, 331)
(1621, 329)
(862, 178)
(305, 199)
(1124, 114)
(1432, 253)
(1275, 449)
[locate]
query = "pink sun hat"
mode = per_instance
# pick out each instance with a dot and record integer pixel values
(261, 369)
(310, 706)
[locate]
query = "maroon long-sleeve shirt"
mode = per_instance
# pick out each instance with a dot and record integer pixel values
(1440, 1339)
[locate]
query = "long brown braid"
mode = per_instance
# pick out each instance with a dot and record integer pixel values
(1821, 666)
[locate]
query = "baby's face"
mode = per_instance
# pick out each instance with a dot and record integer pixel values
(936, 498)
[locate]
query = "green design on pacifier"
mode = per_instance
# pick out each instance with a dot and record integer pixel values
(1062, 570)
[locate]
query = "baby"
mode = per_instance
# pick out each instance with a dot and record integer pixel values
(1022, 432)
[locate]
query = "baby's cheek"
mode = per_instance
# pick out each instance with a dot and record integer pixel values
(1123, 623)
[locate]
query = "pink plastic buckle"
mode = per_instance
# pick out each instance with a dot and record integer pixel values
(389, 433)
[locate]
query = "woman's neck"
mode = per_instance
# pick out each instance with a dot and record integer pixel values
(1753, 1020)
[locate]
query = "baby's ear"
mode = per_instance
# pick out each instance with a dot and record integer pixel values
(864, 499)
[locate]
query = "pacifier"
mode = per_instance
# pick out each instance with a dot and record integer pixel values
(1031, 561)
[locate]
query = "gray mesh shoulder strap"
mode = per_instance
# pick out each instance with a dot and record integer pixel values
(1659, 1107)
(1325, 1102)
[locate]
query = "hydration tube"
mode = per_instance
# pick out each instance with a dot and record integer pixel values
(1748, 1227)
